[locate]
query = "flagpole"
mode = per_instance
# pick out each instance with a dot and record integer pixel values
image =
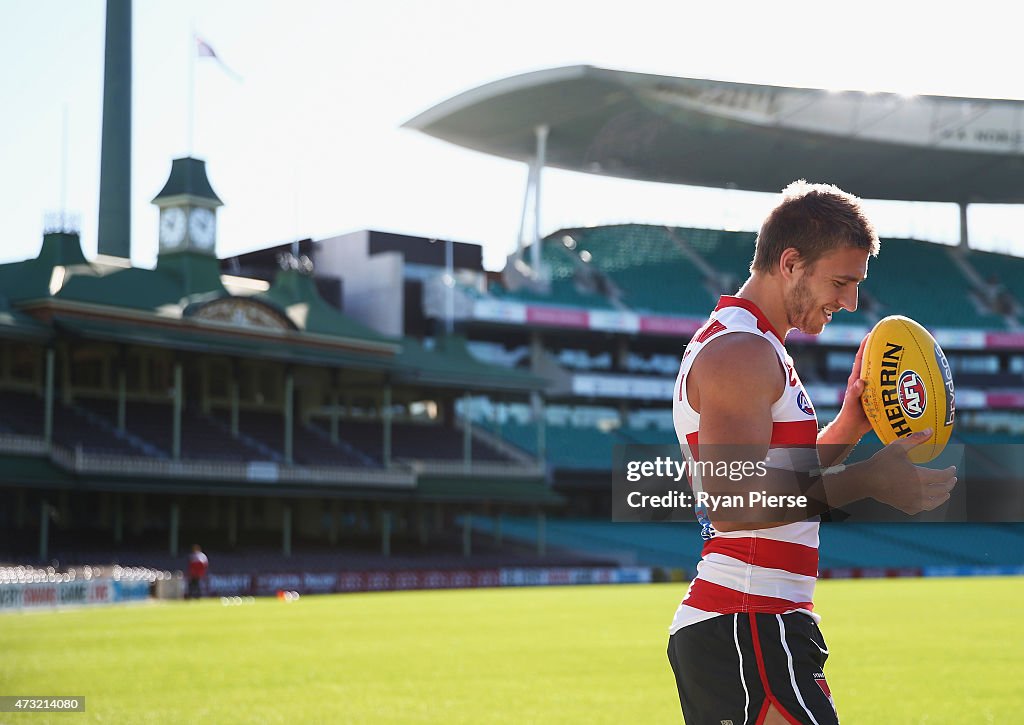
(64, 172)
(191, 89)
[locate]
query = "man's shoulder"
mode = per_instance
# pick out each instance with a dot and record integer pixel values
(749, 351)
(738, 366)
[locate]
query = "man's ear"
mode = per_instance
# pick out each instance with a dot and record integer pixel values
(790, 262)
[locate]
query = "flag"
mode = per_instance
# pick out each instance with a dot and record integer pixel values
(205, 50)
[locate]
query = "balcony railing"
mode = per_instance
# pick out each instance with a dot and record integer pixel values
(487, 469)
(402, 474)
(81, 461)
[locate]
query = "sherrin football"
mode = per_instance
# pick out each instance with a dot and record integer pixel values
(908, 385)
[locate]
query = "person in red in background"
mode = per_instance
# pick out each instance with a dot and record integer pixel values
(197, 566)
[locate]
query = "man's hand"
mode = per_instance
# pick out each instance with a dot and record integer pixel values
(851, 421)
(895, 481)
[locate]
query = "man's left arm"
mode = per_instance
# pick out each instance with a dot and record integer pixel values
(837, 439)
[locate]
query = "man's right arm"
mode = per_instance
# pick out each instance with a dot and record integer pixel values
(733, 384)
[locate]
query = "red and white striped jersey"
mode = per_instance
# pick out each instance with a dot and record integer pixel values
(766, 570)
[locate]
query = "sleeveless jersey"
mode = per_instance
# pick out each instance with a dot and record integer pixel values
(766, 570)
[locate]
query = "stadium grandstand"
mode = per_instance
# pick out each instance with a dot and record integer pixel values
(381, 401)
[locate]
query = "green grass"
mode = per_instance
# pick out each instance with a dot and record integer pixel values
(903, 651)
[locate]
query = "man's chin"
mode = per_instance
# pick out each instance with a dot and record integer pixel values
(811, 328)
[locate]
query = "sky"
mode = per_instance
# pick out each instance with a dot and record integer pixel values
(307, 141)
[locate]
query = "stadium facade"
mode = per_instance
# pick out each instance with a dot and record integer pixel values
(188, 402)
(377, 393)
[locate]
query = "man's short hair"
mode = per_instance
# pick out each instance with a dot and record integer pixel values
(813, 219)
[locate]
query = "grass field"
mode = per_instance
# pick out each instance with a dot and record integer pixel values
(904, 651)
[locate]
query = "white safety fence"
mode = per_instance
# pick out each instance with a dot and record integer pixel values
(26, 587)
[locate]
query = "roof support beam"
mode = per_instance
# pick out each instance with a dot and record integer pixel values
(964, 236)
(532, 199)
(541, 133)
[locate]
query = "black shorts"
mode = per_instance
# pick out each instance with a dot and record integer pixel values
(730, 668)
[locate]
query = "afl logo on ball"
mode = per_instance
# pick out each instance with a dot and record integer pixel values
(913, 399)
(804, 403)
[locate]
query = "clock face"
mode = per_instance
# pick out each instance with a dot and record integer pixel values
(202, 227)
(172, 226)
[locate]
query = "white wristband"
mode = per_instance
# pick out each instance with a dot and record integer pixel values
(830, 471)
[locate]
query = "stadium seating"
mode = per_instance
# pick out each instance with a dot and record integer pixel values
(583, 448)
(22, 412)
(1001, 269)
(843, 546)
(414, 441)
(648, 267)
(267, 428)
(565, 283)
(72, 428)
(563, 292)
(728, 252)
(904, 280)
(671, 545)
(566, 447)
(918, 545)
(201, 437)
(652, 274)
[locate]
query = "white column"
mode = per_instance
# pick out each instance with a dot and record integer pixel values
(467, 434)
(542, 144)
(467, 534)
(48, 396)
(176, 435)
(172, 542)
(44, 530)
(286, 530)
(385, 533)
(289, 423)
(964, 235)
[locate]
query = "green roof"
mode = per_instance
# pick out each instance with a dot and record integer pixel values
(19, 326)
(450, 364)
(297, 296)
(196, 273)
(25, 280)
(31, 278)
(131, 288)
(61, 248)
(198, 337)
(188, 177)
(179, 278)
(325, 336)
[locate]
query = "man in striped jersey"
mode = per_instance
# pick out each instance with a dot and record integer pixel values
(744, 644)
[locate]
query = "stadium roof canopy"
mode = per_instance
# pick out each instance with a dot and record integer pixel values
(740, 135)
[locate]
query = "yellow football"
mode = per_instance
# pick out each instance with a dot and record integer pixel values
(908, 385)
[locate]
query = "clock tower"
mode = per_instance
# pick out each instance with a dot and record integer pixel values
(188, 209)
